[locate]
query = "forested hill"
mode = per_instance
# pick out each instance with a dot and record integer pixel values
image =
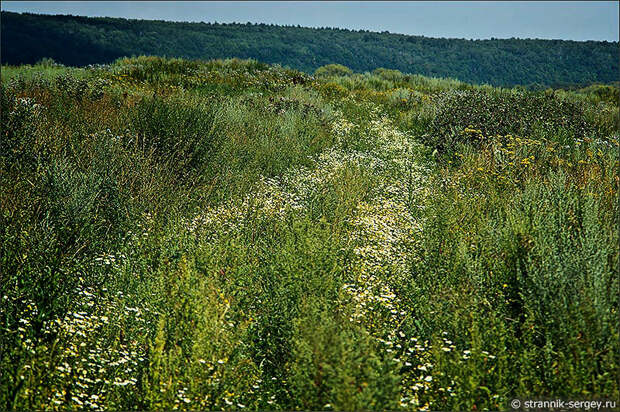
(79, 41)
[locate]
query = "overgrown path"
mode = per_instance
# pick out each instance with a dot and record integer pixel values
(382, 227)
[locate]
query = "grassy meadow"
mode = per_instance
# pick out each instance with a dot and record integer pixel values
(231, 235)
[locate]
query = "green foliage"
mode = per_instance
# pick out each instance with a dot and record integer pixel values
(47, 62)
(471, 115)
(231, 235)
(27, 38)
(526, 229)
(603, 92)
(333, 70)
(337, 367)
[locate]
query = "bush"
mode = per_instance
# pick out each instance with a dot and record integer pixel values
(503, 112)
(332, 70)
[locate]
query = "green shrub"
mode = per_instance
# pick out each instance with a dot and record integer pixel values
(333, 70)
(502, 112)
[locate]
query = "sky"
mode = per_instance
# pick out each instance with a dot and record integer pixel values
(568, 20)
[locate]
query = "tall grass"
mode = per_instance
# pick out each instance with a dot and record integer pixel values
(230, 235)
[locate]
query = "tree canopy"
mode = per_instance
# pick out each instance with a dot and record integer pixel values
(80, 41)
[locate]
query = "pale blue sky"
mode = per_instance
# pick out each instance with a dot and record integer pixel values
(571, 20)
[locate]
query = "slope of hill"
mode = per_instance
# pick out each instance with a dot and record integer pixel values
(79, 41)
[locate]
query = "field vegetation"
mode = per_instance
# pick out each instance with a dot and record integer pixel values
(228, 234)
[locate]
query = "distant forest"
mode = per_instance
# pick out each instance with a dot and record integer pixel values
(80, 41)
